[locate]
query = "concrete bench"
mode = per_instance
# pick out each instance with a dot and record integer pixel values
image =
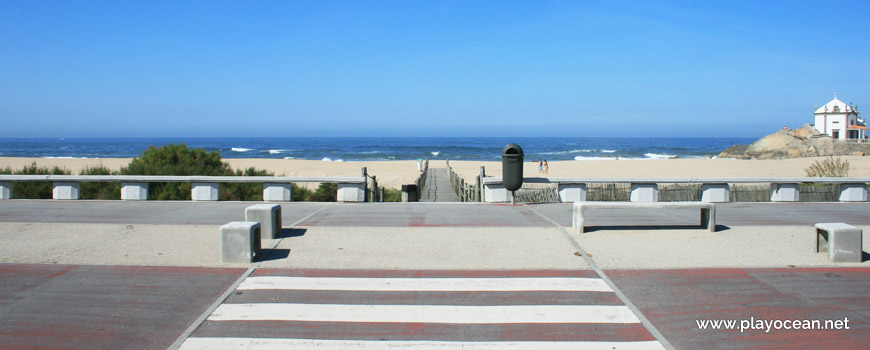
(708, 210)
(842, 241)
(269, 217)
(240, 242)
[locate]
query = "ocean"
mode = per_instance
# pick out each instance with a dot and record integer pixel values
(378, 148)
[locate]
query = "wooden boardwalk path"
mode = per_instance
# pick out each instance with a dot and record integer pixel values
(438, 188)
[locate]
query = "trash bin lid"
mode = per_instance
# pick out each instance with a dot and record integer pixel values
(512, 150)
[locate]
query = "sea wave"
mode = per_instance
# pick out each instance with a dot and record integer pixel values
(571, 151)
(659, 156)
(327, 159)
(278, 151)
(608, 151)
(66, 157)
(594, 158)
(241, 149)
(435, 153)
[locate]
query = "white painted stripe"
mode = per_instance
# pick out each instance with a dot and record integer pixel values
(428, 284)
(425, 313)
(305, 344)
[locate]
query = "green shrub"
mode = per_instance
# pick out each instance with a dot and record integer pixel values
(829, 167)
(35, 190)
(326, 192)
(392, 195)
(178, 160)
(244, 191)
(100, 190)
(299, 194)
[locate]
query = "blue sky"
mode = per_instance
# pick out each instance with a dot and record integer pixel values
(431, 68)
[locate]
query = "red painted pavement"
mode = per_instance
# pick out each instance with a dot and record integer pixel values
(103, 307)
(674, 299)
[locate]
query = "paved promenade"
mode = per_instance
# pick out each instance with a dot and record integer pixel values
(147, 275)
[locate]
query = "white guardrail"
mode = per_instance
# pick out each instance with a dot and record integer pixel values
(782, 189)
(204, 188)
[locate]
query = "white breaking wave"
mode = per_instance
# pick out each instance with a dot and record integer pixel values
(278, 151)
(241, 149)
(608, 151)
(289, 157)
(327, 159)
(594, 158)
(435, 153)
(659, 156)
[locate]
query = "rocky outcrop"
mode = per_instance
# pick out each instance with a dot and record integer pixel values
(803, 142)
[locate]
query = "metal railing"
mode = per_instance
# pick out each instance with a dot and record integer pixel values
(68, 186)
(466, 192)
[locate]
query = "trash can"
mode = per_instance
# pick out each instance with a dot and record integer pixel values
(512, 167)
(409, 193)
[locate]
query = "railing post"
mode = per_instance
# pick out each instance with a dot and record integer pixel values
(66, 190)
(5, 190)
(853, 192)
(575, 192)
(785, 192)
(275, 192)
(365, 177)
(204, 191)
(715, 192)
(134, 191)
(480, 183)
(644, 192)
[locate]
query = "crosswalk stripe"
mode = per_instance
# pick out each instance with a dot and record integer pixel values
(304, 344)
(425, 313)
(427, 284)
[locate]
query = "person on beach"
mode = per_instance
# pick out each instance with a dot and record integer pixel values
(540, 166)
(546, 167)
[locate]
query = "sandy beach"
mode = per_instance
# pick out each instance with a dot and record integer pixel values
(395, 173)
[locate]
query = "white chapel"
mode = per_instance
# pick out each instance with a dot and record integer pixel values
(840, 121)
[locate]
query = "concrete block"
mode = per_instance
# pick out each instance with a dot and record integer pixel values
(784, 192)
(715, 193)
(351, 193)
(240, 242)
(843, 242)
(5, 190)
(572, 192)
(277, 192)
(496, 193)
(269, 217)
(644, 192)
(853, 192)
(66, 190)
(134, 191)
(205, 191)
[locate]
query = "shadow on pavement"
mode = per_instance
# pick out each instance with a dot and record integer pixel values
(719, 228)
(292, 232)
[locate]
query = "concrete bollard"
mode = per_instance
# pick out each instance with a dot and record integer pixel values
(240, 242)
(134, 191)
(5, 190)
(66, 190)
(277, 192)
(269, 217)
(644, 192)
(204, 191)
(843, 242)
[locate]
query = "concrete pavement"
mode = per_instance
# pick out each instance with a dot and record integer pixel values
(663, 267)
